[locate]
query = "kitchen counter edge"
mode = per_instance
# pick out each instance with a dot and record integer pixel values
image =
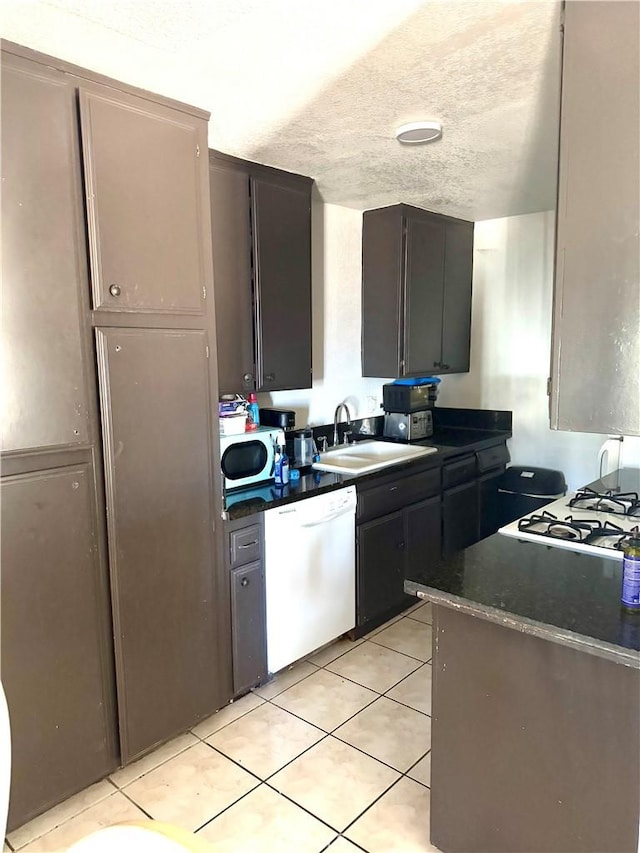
(310, 485)
(552, 633)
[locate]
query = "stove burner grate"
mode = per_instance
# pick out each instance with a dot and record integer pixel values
(627, 503)
(549, 525)
(569, 529)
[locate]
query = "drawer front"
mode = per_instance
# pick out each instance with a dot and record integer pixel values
(382, 500)
(493, 457)
(456, 473)
(245, 545)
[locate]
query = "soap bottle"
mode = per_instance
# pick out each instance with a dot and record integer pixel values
(281, 471)
(253, 410)
(631, 575)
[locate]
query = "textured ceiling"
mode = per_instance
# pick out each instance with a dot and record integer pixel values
(317, 87)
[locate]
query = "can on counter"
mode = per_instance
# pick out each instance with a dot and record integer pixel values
(631, 574)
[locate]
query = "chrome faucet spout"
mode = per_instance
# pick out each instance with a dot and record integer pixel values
(335, 421)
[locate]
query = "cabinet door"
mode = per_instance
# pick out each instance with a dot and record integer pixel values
(248, 619)
(489, 505)
(382, 275)
(424, 537)
(44, 383)
(281, 218)
(381, 560)
(158, 465)
(231, 242)
(144, 203)
(459, 517)
(425, 243)
(456, 312)
(57, 664)
(596, 329)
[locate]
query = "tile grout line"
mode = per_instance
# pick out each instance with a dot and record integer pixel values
(332, 733)
(271, 787)
(371, 805)
(393, 686)
(413, 657)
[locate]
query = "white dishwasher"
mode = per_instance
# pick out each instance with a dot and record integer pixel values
(310, 573)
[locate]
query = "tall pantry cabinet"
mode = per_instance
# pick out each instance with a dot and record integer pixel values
(115, 631)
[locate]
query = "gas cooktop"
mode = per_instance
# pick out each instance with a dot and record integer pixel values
(591, 522)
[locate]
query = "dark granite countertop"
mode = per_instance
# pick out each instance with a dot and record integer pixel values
(559, 595)
(449, 442)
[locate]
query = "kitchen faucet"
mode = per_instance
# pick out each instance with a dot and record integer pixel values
(335, 421)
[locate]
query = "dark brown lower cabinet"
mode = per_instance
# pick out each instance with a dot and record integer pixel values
(57, 660)
(159, 473)
(244, 558)
(381, 557)
(459, 517)
(424, 534)
(249, 627)
(489, 508)
(398, 530)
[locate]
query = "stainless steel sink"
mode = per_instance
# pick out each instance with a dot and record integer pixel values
(367, 456)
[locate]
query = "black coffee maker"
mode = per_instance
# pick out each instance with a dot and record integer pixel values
(284, 419)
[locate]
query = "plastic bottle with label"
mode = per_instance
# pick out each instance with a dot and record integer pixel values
(253, 410)
(631, 575)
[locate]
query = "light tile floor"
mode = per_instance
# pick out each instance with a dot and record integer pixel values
(332, 755)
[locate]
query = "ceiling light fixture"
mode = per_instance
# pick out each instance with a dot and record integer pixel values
(417, 132)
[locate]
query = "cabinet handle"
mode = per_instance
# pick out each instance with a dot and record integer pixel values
(437, 364)
(115, 290)
(269, 377)
(445, 366)
(244, 582)
(248, 545)
(401, 546)
(393, 488)
(248, 377)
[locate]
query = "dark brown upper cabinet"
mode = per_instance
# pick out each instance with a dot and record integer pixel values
(144, 204)
(595, 366)
(416, 292)
(261, 235)
(46, 399)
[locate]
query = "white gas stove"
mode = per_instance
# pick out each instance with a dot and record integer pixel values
(595, 523)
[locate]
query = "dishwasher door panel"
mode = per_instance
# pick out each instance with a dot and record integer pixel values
(310, 575)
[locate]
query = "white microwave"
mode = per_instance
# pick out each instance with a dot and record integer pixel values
(248, 458)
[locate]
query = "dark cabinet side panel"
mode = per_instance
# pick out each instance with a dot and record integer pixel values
(45, 397)
(281, 218)
(540, 742)
(57, 664)
(381, 560)
(157, 435)
(456, 314)
(382, 270)
(424, 296)
(143, 188)
(231, 243)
